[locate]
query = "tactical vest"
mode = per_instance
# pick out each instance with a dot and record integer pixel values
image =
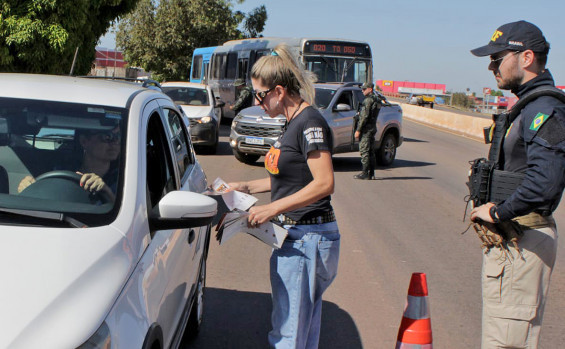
(487, 181)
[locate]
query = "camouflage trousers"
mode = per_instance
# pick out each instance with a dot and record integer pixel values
(367, 150)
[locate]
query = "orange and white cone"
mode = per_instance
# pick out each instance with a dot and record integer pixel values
(415, 330)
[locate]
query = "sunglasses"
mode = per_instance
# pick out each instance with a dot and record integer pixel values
(260, 95)
(497, 62)
(109, 137)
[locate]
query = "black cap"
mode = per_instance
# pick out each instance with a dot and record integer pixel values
(515, 36)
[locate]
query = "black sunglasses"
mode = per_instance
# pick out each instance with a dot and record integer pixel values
(496, 62)
(260, 95)
(109, 137)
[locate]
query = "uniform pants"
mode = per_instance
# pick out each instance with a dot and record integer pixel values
(301, 270)
(515, 290)
(367, 150)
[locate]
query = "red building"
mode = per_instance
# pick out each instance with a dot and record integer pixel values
(408, 87)
(109, 58)
(109, 62)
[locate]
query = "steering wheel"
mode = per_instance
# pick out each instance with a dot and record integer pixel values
(75, 178)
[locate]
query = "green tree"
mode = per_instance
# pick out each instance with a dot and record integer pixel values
(496, 93)
(461, 99)
(160, 36)
(42, 36)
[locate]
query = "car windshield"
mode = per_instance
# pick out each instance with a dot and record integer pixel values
(48, 148)
(324, 97)
(331, 69)
(187, 95)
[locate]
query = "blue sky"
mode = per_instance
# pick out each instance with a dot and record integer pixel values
(418, 40)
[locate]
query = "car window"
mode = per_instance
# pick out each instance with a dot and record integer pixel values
(47, 147)
(346, 97)
(359, 98)
(160, 173)
(179, 140)
(187, 95)
(324, 97)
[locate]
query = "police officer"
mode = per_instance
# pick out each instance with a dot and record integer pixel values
(245, 97)
(516, 281)
(365, 131)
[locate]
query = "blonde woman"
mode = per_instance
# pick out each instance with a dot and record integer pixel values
(301, 180)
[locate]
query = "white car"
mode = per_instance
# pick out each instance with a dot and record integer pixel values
(202, 109)
(122, 264)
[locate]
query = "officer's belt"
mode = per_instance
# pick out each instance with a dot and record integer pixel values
(323, 218)
(535, 220)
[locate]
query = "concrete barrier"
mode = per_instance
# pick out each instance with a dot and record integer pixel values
(466, 125)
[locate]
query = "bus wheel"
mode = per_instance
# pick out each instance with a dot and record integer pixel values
(246, 158)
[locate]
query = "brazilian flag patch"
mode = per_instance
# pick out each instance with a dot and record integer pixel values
(538, 121)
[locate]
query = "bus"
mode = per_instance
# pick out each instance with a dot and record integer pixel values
(200, 63)
(332, 60)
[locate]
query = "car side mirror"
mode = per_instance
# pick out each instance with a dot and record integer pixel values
(182, 209)
(342, 107)
(219, 103)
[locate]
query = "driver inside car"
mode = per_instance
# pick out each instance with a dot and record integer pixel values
(98, 170)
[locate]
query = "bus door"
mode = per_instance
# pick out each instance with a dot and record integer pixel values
(205, 66)
(243, 65)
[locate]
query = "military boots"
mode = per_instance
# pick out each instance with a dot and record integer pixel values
(362, 175)
(366, 174)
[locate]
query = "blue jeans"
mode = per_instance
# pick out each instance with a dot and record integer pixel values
(301, 270)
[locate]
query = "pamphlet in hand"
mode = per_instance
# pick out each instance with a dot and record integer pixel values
(233, 199)
(235, 220)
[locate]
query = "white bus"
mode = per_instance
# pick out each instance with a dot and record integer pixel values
(332, 60)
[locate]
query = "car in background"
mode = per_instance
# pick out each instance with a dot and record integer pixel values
(253, 132)
(203, 110)
(86, 269)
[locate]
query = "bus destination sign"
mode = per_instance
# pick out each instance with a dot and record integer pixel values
(337, 48)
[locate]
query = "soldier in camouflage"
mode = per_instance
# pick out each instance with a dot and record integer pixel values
(245, 97)
(365, 132)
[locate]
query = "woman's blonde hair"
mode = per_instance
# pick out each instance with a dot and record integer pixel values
(282, 68)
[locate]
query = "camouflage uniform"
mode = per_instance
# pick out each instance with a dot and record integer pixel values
(367, 127)
(244, 99)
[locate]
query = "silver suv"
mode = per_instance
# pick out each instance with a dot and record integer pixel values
(253, 132)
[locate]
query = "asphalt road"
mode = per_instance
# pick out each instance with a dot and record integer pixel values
(410, 220)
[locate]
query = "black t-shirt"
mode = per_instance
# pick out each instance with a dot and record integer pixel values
(286, 160)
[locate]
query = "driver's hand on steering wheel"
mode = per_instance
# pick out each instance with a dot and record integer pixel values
(25, 182)
(91, 182)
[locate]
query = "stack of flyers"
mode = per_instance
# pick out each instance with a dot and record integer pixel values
(235, 221)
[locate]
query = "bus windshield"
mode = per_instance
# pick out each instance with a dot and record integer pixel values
(333, 69)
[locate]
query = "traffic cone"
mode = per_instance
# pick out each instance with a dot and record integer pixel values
(415, 330)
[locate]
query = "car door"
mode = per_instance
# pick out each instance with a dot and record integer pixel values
(171, 270)
(342, 121)
(191, 175)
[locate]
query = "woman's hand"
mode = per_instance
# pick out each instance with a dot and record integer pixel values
(239, 186)
(261, 214)
(91, 182)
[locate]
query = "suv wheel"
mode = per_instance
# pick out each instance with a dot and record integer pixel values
(387, 152)
(246, 158)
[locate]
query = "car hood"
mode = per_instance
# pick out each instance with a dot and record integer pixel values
(256, 113)
(195, 111)
(58, 284)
